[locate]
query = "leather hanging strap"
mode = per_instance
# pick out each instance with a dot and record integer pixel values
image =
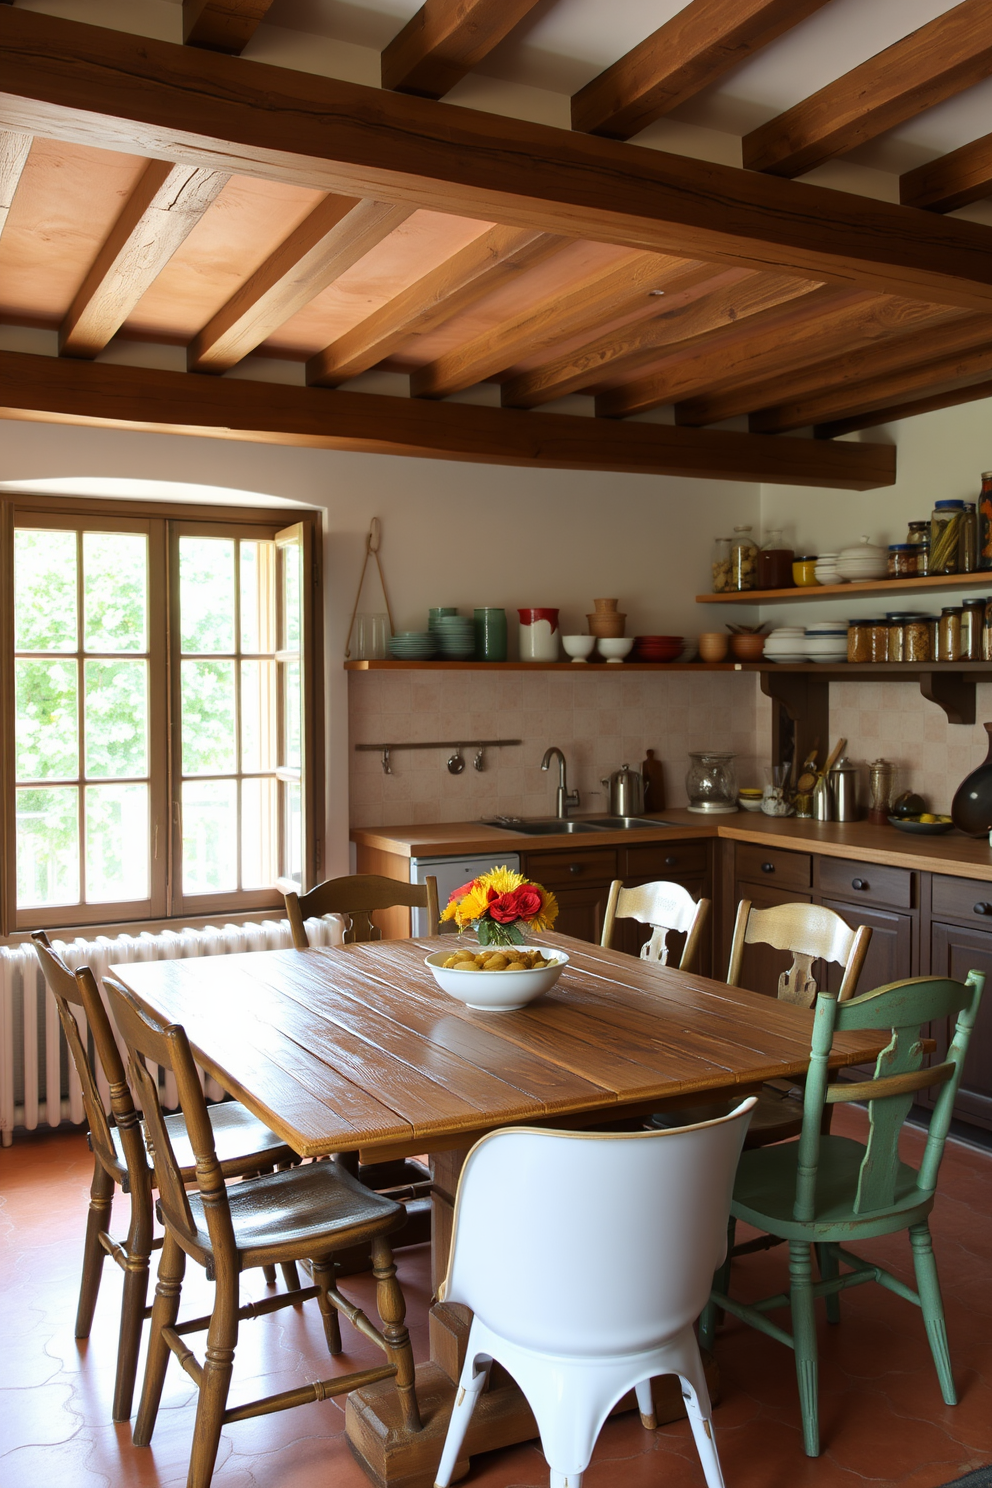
(372, 542)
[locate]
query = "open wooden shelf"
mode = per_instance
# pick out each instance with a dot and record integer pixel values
(890, 587)
(547, 666)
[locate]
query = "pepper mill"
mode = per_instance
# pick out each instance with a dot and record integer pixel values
(880, 776)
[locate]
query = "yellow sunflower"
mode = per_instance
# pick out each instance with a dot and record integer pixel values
(548, 913)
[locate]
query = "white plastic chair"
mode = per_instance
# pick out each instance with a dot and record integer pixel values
(580, 1301)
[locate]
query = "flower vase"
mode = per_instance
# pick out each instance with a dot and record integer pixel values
(971, 809)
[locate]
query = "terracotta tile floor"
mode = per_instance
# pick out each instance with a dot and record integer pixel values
(882, 1417)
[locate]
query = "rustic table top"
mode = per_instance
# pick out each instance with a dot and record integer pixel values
(357, 1048)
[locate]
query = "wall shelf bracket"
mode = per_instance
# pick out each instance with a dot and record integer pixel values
(801, 719)
(951, 691)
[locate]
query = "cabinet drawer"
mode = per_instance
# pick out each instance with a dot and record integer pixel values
(873, 883)
(665, 859)
(770, 865)
(558, 869)
(962, 899)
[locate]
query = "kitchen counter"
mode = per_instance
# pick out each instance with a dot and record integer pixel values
(953, 853)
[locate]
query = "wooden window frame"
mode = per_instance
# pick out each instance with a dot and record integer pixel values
(164, 523)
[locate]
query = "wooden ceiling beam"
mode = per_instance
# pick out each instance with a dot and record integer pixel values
(66, 80)
(337, 233)
(55, 390)
(867, 362)
(445, 40)
(14, 151)
(737, 296)
(693, 49)
(607, 293)
(222, 25)
(454, 286)
(793, 337)
(970, 392)
(162, 210)
(940, 59)
(952, 181)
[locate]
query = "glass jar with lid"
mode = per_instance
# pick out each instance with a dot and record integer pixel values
(711, 782)
(985, 522)
(859, 640)
(969, 539)
(948, 646)
(775, 562)
(916, 638)
(902, 561)
(721, 565)
(897, 637)
(743, 559)
(918, 537)
(945, 537)
(878, 639)
(972, 623)
(987, 631)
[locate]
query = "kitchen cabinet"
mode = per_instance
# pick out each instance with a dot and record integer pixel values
(580, 880)
(954, 951)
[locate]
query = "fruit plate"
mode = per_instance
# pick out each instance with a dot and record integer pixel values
(925, 829)
(496, 991)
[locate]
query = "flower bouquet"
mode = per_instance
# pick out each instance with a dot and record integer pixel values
(500, 905)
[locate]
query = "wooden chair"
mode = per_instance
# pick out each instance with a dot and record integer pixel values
(245, 1145)
(303, 1213)
(666, 907)
(832, 1191)
(357, 897)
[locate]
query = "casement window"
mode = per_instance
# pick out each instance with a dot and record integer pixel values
(161, 727)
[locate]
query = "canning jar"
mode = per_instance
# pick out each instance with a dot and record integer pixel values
(902, 561)
(775, 563)
(972, 622)
(945, 536)
(804, 571)
(987, 632)
(878, 640)
(969, 539)
(916, 638)
(859, 640)
(721, 565)
(948, 634)
(985, 522)
(743, 560)
(897, 637)
(918, 537)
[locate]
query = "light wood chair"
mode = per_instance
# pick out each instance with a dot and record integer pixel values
(244, 1145)
(357, 897)
(304, 1213)
(666, 907)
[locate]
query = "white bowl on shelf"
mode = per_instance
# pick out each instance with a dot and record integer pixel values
(496, 991)
(615, 648)
(579, 647)
(863, 563)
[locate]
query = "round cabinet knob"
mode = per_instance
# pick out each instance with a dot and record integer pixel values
(670, 862)
(768, 867)
(859, 883)
(983, 909)
(575, 867)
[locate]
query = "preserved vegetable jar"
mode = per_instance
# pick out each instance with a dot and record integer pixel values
(775, 563)
(945, 536)
(743, 560)
(969, 538)
(916, 638)
(919, 537)
(902, 561)
(721, 565)
(949, 634)
(972, 622)
(985, 522)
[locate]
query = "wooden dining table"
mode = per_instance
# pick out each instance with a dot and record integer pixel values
(357, 1049)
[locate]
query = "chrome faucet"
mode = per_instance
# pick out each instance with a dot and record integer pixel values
(564, 797)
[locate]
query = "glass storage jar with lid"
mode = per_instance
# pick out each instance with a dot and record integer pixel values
(878, 639)
(918, 536)
(945, 537)
(969, 539)
(859, 640)
(985, 522)
(721, 565)
(775, 562)
(897, 637)
(916, 638)
(948, 646)
(743, 560)
(987, 631)
(711, 782)
(902, 561)
(972, 622)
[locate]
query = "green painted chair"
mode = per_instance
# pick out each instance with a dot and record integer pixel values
(829, 1191)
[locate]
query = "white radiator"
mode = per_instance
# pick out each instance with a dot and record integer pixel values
(38, 1084)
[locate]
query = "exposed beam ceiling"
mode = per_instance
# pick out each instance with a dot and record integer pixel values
(452, 287)
(222, 25)
(970, 393)
(737, 296)
(445, 40)
(14, 151)
(951, 53)
(952, 181)
(335, 236)
(157, 217)
(74, 82)
(693, 49)
(51, 389)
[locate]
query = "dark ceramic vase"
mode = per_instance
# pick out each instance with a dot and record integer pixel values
(971, 809)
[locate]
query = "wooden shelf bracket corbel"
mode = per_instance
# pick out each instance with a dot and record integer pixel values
(953, 692)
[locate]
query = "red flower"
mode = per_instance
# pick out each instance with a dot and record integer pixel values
(457, 894)
(503, 908)
(528, 901)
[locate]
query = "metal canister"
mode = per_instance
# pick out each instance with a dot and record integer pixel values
(844, 784)
(880, 780)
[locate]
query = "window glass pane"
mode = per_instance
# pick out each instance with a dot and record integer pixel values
(209, 743)
(293, 826)
(47, 846)
(44, 590)
(258, 715)
(206, 594)
(259, 834)
(115, 606)
(116, 843)
(115, 728)
(210, 836)
(250, 598)
(291, 590)
(293, 705)
(46, 733)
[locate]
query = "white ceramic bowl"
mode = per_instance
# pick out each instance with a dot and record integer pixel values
(749, 803)
(496, 991)
(615, 648)
(579, 647)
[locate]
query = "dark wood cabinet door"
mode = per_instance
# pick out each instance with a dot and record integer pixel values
(763, 965)
(890, 954)
(581, 910)
(956, 951)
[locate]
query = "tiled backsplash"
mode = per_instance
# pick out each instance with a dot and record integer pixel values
(600, 721)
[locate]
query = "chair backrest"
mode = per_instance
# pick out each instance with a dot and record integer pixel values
(901, 1009)
(665, 907)
(592, 1242)
(811, 933)
(166, 1044)
(356, 896)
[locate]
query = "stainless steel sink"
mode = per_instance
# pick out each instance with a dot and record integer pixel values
(552, 826)
(626, 823)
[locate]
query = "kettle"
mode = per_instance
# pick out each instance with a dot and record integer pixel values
(626, 788)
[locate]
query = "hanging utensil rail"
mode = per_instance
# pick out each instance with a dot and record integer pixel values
(480, 744)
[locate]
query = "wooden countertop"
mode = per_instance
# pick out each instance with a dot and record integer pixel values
(955, 854)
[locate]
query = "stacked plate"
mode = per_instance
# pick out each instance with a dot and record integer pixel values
(826, 569)
(863, 563)
(657, 648)
(411, 645)
(826, 642)
(454, 636)
(788, 643)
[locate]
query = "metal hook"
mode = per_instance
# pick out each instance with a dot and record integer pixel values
(479, 763)
(387, 768)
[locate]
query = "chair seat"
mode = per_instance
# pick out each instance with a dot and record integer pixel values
(765, 1193)
(776, 1117)
(313, 1207)
(239, 1137)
